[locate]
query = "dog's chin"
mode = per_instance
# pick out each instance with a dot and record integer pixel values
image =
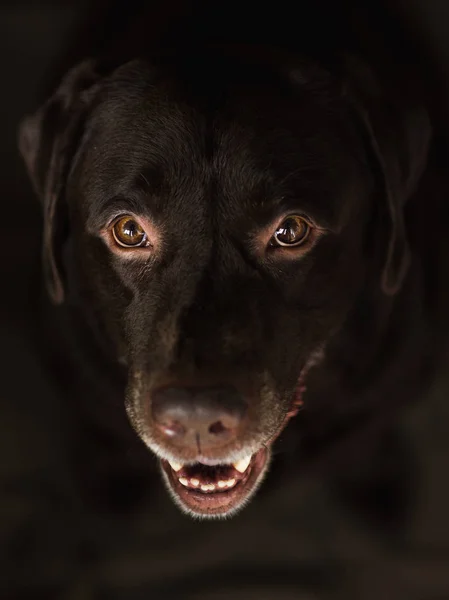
(215, 491)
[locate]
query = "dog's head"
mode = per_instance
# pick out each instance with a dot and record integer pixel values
(218, 220)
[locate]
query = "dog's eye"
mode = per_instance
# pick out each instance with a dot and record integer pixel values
(128, 233)
(293, 231)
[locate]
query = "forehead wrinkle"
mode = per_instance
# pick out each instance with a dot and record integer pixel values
(120, 153)
(238, 178)
(267, 180)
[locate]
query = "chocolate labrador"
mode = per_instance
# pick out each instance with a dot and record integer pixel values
(243, 236)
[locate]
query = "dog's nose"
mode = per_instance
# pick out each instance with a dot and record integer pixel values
(198, 418)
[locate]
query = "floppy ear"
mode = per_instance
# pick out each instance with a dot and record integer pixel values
(398, 134)
(48, 141)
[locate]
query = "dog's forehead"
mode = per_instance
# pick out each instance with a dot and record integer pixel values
(241, 145)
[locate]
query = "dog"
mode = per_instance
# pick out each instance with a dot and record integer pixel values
(241, 235)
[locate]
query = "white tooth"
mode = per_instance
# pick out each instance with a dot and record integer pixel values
(209, 487)
(222, 484)
(175, 466)
(195, 482)
(184, 481)
(242, 464)
(230, 482)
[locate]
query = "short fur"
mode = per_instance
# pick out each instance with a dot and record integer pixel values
(212, 146)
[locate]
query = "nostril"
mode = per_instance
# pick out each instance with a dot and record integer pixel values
(169, 411)
(173, 429)
(213, 415)
(217, 428)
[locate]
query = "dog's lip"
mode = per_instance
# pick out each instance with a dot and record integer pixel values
(218, 503)
(204, 460)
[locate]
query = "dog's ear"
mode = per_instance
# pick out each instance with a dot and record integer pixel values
(48, 141)
(398, 134)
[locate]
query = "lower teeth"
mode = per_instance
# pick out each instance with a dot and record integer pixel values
(219, 478)
(207, 487)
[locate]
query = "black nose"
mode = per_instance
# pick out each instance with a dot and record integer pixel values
(198, 418)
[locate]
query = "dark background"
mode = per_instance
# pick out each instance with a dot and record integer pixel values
(299, 539)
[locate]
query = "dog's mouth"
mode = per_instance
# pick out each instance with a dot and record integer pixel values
(210, 489)
(217, 490)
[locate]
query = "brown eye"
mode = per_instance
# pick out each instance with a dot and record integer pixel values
(128, 233)
(293, 231)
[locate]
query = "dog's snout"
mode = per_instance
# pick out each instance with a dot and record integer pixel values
(199, 419)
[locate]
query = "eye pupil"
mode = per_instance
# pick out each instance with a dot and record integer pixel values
(130, 229)
(128, 233)
(292, 232)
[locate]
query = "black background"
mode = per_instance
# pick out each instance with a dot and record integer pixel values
(297, 540)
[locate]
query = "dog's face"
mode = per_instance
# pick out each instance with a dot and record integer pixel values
(218, 228)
